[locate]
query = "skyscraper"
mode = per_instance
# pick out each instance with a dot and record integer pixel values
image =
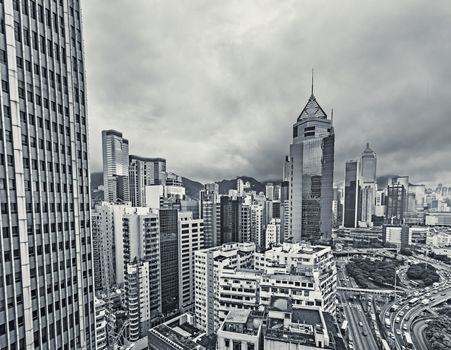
(368, 163)
(115, 167)
(231, 219)
(169, 253)
(144, 172)
(210, 212)
(396, 203)
(310, 173)
(46, 254)
(352, 191)
(368, 185)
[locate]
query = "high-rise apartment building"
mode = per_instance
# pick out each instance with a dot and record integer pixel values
(47, 284)
(310, 172)
(272, 235)
(352, 192)
(144, 172)
(190, 240)
(108, 243)
(258, 225)
(142, 267)
(115, 167)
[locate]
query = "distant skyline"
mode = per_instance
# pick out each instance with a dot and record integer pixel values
(215, 87)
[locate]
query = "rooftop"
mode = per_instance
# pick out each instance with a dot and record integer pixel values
(243, 321)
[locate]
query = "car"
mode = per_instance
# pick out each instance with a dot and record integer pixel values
(361, 324)
(398, 332)
(364, 333)
(401, 313)
(404, 326)
(443, 294)
(387, 313)
(397, 320)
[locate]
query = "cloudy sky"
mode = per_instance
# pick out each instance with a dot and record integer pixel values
(215, 86)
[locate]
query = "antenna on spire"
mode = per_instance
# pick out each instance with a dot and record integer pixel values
(312, 80)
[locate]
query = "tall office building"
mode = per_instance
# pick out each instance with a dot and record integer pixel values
(115, 167)
(352, 191)
(368, 184)
(395, 208)
(144, 172)
(368, 164)
(169, 255)
(310, 173)
(47, 285)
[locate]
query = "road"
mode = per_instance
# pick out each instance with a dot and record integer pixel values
(355, 315)
(407, 313)
(417, 332)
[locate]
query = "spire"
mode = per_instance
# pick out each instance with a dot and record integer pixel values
(332, 114)
(312, 81)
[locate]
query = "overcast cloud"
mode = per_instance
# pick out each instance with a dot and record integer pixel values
(215, 86)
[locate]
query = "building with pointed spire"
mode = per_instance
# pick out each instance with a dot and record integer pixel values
(310, 168)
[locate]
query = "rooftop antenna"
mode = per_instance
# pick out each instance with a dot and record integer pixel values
(332, 114)
(312, 80)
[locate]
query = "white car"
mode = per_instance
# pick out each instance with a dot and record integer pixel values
(398, 332)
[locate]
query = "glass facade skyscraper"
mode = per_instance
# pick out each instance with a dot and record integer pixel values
(46, 284)
(310, 174)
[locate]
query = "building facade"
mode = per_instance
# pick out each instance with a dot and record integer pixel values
(44, 179)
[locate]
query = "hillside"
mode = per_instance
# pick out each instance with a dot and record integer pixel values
(192, 187)
(226, 185)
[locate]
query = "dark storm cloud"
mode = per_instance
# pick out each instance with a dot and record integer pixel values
(215, 86)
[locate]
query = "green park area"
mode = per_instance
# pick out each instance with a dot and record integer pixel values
(371, 273)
